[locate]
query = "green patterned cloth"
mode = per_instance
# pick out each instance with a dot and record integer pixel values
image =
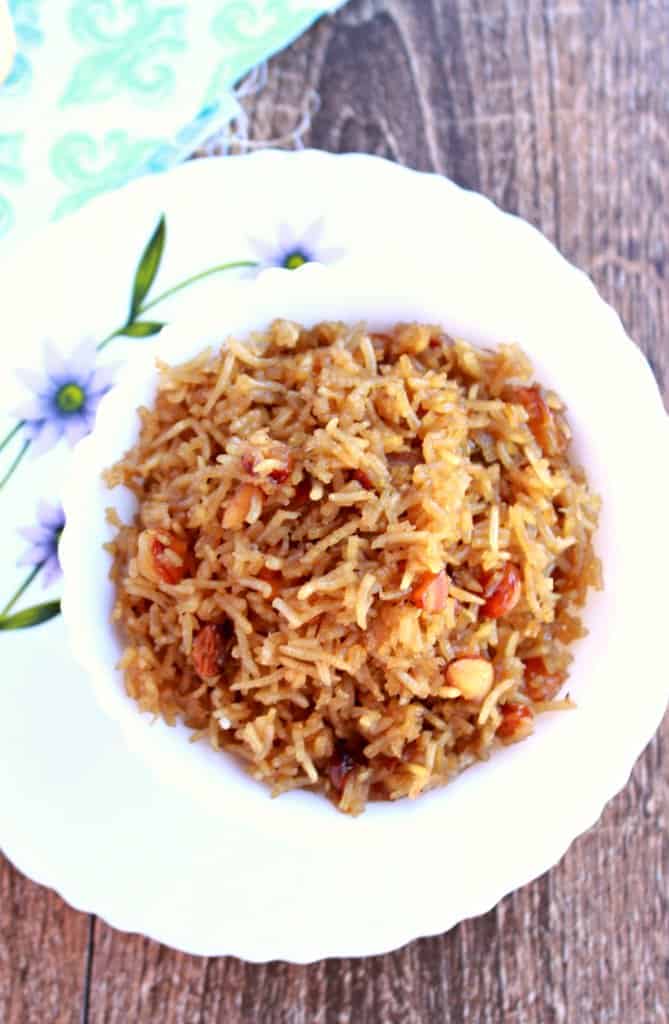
(104, 90)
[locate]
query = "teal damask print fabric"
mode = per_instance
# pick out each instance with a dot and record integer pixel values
(133, 54)
(11, 173)
(87, 166)
(25, 16)
(104, 90)
(246, 31)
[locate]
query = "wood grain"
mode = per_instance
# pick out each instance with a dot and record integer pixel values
(43, 954)
(559, 111)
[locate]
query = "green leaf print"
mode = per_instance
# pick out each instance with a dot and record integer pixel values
(141, 329)
(128, 42)
(44, 548)
(31, 616)
(147, 268)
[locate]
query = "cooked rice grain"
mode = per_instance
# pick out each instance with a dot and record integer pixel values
(328, 518)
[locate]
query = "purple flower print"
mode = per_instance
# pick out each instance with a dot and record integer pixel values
(290, 250)
(43, 540)
(65, 397)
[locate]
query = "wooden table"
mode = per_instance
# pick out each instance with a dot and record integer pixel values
(558, 110)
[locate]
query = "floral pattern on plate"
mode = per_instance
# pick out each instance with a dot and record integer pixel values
(62, 400)
(290, 249)
(80, 812)
(42, 555)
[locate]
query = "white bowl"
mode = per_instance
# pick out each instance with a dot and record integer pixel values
(332, 885)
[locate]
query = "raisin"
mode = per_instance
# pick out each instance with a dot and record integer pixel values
(342, 763)
(363, 479)
(301, 496)
(544, 426)
(209, 650)
(274, 579)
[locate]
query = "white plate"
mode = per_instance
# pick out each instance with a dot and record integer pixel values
(291, 878)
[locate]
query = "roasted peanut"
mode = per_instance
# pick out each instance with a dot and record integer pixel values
(472, 676)
(239, 506)
(517, 722)
(505, 593)
(162, 556)
(540, 684)
(431, 592)
(249, 460)
(273, 461)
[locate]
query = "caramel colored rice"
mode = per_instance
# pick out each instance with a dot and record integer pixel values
(298, 495)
